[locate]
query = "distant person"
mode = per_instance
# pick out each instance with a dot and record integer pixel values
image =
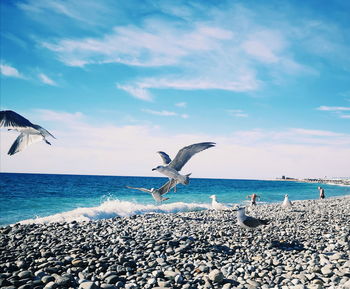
(253, 198)
(321, 190)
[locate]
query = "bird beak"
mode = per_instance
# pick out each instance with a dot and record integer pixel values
(154, 169)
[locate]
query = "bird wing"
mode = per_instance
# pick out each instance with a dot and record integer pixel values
(43, 131)
(22, 141)
(140, 189)
(11, 119)
(187, 152)
(167, 186)
(251, 222)
(165, 157)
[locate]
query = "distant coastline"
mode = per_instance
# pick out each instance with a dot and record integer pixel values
(339, 182)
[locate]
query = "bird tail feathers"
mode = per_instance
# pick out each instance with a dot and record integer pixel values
(187, 178)
(264, 222)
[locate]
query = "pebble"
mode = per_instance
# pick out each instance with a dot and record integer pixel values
(189, 250)
(216, 276)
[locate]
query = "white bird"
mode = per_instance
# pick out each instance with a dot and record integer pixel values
(287, 203)
(171, 168)
(216, 205)
(248, 222)
(157, 194)
(29, 132)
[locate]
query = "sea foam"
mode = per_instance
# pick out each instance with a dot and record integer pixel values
(116, 208)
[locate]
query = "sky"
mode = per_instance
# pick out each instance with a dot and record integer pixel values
(117, 81)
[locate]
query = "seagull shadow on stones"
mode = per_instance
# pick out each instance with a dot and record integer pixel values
(287, 246)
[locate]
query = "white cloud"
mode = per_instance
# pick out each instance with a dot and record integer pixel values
(245, 81)
(88, 12)
(45, 79)
(337, 110)
(333, 108)
(207, 54)
(160, 113)
(237, 113)
(137, 92)
(59, 116)
(181, 104)
(10, 71)
(83, 148)
(165, 113)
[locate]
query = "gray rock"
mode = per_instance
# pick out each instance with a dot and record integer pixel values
(88, 285)
(25, 274)
(51, 285)
(216, 276)
(62, 280)
(111, 279)
(46, 279)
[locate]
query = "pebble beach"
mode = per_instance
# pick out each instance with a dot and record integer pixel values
(307, 246)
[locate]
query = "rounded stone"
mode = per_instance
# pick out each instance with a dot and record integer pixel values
(216, 276)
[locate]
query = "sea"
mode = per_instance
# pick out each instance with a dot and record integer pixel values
(44, 198)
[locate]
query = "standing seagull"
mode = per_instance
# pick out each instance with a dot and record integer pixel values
(286, 203)
(216, 205)
(171, 168)
(29, 133)
(248, 222)
(157, 194)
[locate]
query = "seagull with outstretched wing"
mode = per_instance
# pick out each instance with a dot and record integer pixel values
(29, 132)
(157, 194)
(171, 168)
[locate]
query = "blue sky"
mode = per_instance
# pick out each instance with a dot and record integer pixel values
(269, 82)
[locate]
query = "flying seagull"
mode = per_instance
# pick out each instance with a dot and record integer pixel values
(171, 168)
(157, 194)
(286, 203)
(216, 205)
(29, 132)
(248, 222)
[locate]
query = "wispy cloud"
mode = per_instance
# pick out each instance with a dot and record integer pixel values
(333, 108)
(337, 110)
(138, 92)
(165, 113)
(181, 104)
(87, 12)
(237, 113)
(10, 71)
(160, 113)
(207, 53)
(45, 79)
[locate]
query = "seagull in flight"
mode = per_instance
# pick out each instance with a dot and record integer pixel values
(287, 203)
(171, 168)
(29, 132)
(157, 194)
(248, 222)
(216, 205)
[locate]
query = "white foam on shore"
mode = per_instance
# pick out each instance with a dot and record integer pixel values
(115, 208)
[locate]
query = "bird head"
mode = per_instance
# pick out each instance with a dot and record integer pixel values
(157, 168)
(240, 210)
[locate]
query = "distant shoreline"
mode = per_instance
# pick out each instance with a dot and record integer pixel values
(345, 182)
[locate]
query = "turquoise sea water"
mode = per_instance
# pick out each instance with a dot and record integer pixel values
(45, 198)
